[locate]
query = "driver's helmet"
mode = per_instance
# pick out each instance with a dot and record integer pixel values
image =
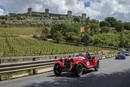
(87, 54)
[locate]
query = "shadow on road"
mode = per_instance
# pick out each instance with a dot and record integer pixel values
(118, 79)
(71, 75)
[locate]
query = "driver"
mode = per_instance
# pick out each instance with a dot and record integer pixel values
(88, 55)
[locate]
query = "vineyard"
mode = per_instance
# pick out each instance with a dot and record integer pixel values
(13, 46)
(16, 31)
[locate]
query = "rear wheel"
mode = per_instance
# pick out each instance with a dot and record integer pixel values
(78, 70)
(97, 66)
(57, 69)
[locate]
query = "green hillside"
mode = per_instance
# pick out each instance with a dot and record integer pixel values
(27, 35)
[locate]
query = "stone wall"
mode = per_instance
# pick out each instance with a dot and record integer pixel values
(47, 13)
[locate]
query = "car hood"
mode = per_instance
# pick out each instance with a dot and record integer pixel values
(125, 52)
(120, 55)
(74, 59)
(78, 58)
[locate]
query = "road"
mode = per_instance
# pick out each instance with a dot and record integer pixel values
(112, 73)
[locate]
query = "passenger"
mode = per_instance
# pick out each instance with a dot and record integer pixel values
(80, 54)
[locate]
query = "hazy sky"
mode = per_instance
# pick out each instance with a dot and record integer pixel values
(98, 9)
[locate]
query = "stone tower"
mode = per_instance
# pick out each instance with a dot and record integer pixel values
(30, 11)
(47, 12)
(69, 13)
(83, 16)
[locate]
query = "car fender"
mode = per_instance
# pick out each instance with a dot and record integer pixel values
(96, 60)
(77, 62)
(59, 62)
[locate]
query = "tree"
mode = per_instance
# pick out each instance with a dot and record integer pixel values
(94, 28)
(87, 20)
(76, 19)
(72, 37)
(119, 26)
(127, 25)
(72, 28)
(123, 41)
(65, 27)
(57, 27)
(45, 32)
(76, 39)
(105, 29)
(111, 21)
(96, 41)
(58, 37)
(94, 21)
(86, 27)
(68, 36)
(12, 14)
(104, 23)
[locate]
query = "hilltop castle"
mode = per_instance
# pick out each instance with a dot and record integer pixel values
(47, 13)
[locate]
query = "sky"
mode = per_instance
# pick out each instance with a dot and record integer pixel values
(95, 9)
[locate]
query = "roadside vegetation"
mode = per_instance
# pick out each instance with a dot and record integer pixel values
(33, 47)
(23, 35)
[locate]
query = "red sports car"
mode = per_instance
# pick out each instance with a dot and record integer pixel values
(75, 65)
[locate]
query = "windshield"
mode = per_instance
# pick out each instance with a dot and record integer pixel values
(118, 53)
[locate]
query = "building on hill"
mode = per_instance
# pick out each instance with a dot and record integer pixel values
(47, 13)
(69, 13)
(83, 16)
(30, 11)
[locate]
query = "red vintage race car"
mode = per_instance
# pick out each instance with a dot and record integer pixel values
(76, 65)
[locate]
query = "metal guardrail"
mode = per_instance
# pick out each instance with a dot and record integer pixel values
(32, 65)
(43, 56)
(14, 67)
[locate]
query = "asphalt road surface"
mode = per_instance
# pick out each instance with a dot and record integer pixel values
(112, 73)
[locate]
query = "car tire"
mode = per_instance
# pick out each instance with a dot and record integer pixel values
(127, 55)
(78, 70)
(97, 66)
(57, 69)
(124, 57)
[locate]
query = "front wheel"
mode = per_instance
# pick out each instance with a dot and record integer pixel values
(57, 69)
(97, 66)
(78, 70)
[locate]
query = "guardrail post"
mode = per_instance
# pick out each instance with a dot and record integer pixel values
(0, 74)
(55, 57)
(0, 78)
(34, 70)
(0, 61)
